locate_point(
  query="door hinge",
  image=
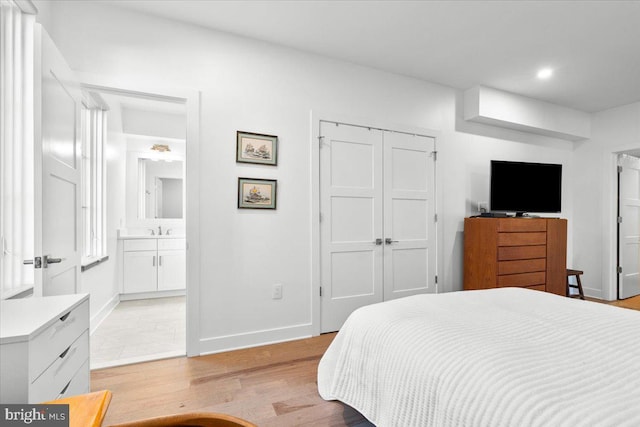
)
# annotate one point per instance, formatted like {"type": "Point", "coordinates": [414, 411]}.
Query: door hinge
{"type": "Point", "coordinates": [320, 140]}
{"type": "Point", "coordinates": [321, 217]}
{"type": "Point", "coordinates": [619, 169]}
{"type": "Point", "coordinates": [435, 218]}
{"type": "Point", "coordinates": [320, 290]}
{"type": "Point", "coordinates": [619, 269]}
{"type": "Point", "coordinates": [619, 220]}
{"type": "Point", "coordinates": [434, 154]}
{"type": "Point", "coordinates": [436, 280]}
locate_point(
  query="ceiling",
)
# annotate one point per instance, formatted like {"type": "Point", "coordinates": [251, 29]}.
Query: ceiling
{"type": "Point", "coordinates": [592, 46]}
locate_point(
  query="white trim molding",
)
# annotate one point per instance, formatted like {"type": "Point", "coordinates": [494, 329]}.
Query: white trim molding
{"type": "Point", "coordinates": [254, 339]}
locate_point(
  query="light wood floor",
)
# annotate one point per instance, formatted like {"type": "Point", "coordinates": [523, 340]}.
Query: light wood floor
{"type": "Point", "coordinates": [632, 303]}
{"type": "Point", "coordinates": [272, 385]}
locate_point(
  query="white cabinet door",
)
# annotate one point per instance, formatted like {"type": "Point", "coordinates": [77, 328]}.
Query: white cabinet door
{"type": "Point", "coordinates": [140, 272]}
{"type": "Point", "coordinates": [171, 269]}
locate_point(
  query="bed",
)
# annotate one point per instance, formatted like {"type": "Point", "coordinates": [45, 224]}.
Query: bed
{"type": "Point", "coordinates": [496, 357]}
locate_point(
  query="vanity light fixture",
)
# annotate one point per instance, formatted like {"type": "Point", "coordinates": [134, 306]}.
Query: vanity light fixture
{"type": "Point", "coordinates": [161, 148]}
{"type": "Point", "coordinates": [545, 73]}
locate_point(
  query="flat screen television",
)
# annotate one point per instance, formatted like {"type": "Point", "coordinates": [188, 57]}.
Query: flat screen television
{"type": "Point", "coordinates": [522, 187]}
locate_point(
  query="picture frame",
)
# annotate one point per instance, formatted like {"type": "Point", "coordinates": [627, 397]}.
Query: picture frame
{"type": "Point", "coordinates": [257, 193]}
{"type": "Point", "coordinates": [256, 148]}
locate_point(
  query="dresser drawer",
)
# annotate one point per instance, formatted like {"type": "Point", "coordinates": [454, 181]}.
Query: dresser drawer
{"type": "Point", "coordinates": [56, 378]}
{"type": "Point", "coordinates": [522, 239]}
{"type": "Point", "coordinates": [47, 346]}
{"type": "Point", "coordinates": [528, 224]}
{"type": "Point", "coordinates": [507, 253]}
{"type": "Point", "coordinates": [139, 245]}
{"type": "Point", "coordinates": [79, 384]}
{"type": "Point", "coordinates": [542, 288]}
{"type": "Point", "coordinates": [521, 266]}
{"type": "Point", "coordinates": [522, 280]}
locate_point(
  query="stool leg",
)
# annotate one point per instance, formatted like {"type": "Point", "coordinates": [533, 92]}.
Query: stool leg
{"type": "Point", "coordinates": [568, 287]}
{"type": "Point", "coordinates": [579, 286]}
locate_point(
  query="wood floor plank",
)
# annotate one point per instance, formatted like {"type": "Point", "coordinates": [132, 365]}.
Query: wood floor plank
{"type": "Point", "coordinates": [273, 385]}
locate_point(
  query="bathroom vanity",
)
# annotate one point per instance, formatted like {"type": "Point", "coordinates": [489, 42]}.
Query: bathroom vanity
{"type": "Point", "coordinates": [153, 266]}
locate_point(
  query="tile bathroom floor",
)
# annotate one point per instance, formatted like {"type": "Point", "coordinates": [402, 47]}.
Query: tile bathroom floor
{"type": "Point", "coordinates": [140, 330]}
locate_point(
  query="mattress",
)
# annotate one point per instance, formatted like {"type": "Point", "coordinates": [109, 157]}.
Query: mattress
{"type": "Point", "coordinates": [495, 357]}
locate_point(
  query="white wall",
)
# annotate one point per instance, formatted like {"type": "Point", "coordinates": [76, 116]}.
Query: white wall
{"type": "Point", "coordinates": [253, 86]}
{"type": "Point", "coordinates": [615, 130]}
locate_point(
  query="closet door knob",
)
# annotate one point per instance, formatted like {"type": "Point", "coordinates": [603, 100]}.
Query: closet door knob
{"type": "Point", "coordinates": [389, 241]}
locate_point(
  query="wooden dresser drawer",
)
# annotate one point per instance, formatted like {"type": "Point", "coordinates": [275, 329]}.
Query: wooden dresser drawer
{"type": "Point", "coordinates": [507, 253]}
{"type": "Point", "coordinates": [522, 280]}
{"type": "Point", "coordinates": [528, 224]}
{"type": "Point", "coordinates": [522, 266]}
{"type": "Point", "coordinates": [55, 379]}
{"type": "Point", "coordinates": [522, 239]}
{"type": "Point", "coordinates": [47, 346]}
{"type": "Point", "coordinates": [542, 288]}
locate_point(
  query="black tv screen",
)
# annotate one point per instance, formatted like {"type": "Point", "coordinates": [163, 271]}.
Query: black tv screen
{"type": "Point", "coordinates": [525, 187]}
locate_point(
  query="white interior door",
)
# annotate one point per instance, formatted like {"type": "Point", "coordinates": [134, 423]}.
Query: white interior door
{"type": "Point", "coordinates": [58, 171]}
{"type": "Point", "coordinates": [629, 227]}
{"type": "Point", "coordinates": [351, 221]}
{"type": "Point", "coordinates": [409, 215]}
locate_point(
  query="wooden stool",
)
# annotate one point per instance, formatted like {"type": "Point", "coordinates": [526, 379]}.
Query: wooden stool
{"type": "Point", "coordinates": [578, 286]}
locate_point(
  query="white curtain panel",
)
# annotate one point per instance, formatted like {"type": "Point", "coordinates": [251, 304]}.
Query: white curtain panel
{"type": "Point", "coordinates": [16, 148]}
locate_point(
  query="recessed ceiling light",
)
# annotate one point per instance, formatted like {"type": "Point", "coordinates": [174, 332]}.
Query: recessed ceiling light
{"type": "Point", "coordinates": [545, 73]}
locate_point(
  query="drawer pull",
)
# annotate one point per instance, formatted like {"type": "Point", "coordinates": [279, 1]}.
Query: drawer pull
{"type": "Point", "coordinates": [64, 362]}
{"type": "Point", "coordinates": [62, 326]}
{"type": "Point", "coordinates": [64, 353]}
{"type": "Point", "coordinates": [64, 390]}
{"type": "Point", "coordinates": [63, 318]}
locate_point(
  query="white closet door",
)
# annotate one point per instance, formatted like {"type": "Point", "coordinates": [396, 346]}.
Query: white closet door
{"type": "Point", "coordinates": [409, 215]}
{"type": "Point", "coordinates": [351, 221]}
{"type": "Point", "coordinates": [629, 229]}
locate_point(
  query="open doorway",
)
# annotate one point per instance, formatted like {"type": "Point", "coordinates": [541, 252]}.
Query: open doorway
{"type": "Point", "coordinates": [145, 147]}
{"type": "Point", "coordinates": [628, 225]}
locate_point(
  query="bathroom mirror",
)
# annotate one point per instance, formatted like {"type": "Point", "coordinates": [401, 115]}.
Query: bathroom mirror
{"type": "Point", "coordinates": [160, 188]}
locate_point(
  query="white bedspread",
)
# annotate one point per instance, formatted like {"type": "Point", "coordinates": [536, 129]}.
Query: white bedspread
{"type": "Point", "coordinates": [499, 357]}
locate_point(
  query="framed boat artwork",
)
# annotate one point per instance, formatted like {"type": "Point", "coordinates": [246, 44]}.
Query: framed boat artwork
{"type": "Point", "coordinates": [256, 148]}
{"type": "Point", "coordinates": [257, 193]}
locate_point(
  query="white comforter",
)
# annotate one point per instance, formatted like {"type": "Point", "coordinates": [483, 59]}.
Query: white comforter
{"type": "Point", "coordinates": [499, 357]}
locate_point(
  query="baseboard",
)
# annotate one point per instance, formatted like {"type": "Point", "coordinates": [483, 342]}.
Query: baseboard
{"type": "Point", "coordinates": [104, 312]}
{"type": "Point", "coordinates": [254, 339]}
{"type": "Point", "coordinates": [593, 293]}
{"type": "Point", "coordinates": [151, 295]}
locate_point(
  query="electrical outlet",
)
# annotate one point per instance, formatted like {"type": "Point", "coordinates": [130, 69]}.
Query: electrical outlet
{"type": "Point", "coordinates": [276, 293]}
{"type": "Point", "coordinates": [483, 207]}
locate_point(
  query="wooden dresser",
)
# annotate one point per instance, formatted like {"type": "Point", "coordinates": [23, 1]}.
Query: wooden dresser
{"type": "Point", "coordinates": [44, 348]}
{"type": "Point", "coordinates": [524, 252]}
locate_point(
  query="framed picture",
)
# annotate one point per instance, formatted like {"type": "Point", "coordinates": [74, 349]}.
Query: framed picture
{"type": "Point", "coordinates": [256, 193]}
{"type": "Point", "coordinates": [256, 148]}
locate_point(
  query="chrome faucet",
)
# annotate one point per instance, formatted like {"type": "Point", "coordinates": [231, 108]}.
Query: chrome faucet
{"type": "Point", "coordinates": [168, 231]}
{"type": "Point", "coordinates": [153, 233]}
{"type": "Point", "coordinates": [159, 231]}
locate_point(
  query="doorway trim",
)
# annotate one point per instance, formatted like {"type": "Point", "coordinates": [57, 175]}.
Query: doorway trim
{"type": "Point", "coordinates": [191, 100]}
{"type": "Point", "coordinates": [317, 117]}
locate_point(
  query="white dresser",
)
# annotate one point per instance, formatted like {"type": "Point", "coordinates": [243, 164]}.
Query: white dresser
{"type": "Point", "coordinates": [44, 348]}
